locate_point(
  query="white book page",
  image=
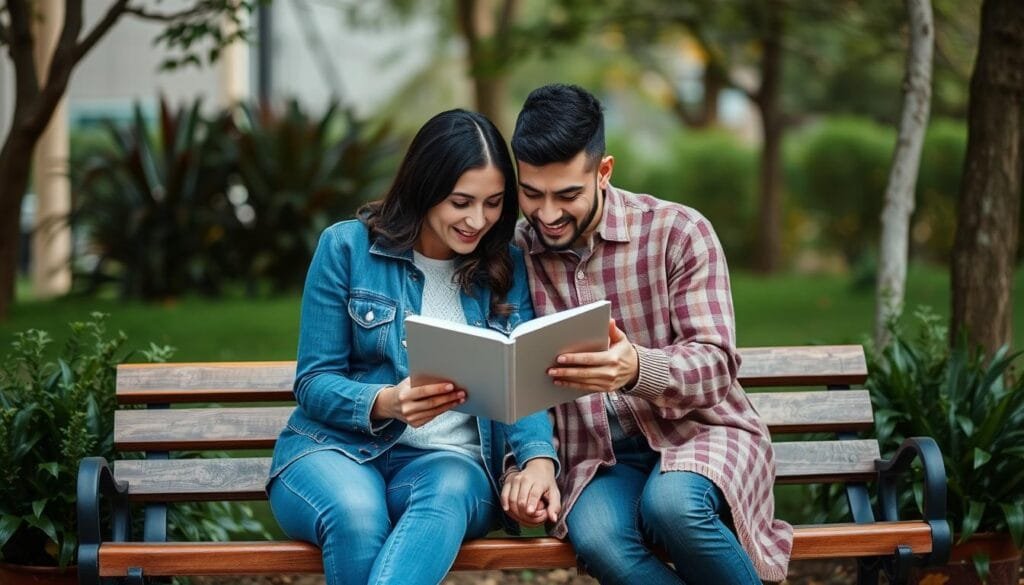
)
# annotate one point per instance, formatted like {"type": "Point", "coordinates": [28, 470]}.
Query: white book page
{"type": "Point", "coordinates": [472, 358]}
{"type": "Point", "coordinates": [583, 329]}
{"type": "Point", "coordinates": [546, 320]}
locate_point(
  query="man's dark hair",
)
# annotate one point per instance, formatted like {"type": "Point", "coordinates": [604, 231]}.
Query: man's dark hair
{"type": "Point", "coordinates": [557, 122]}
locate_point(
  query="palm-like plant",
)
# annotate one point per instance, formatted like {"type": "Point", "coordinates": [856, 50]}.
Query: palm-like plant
{"type": "Point", "coordinates": [154, 206]}
{"type": "Point", "coordinates": [974, 409]}
{"type": "Point", "coordinates": [298, 176]}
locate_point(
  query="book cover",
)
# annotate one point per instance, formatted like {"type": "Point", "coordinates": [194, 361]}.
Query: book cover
{"type": "Point", "coordinates": [505, 378]}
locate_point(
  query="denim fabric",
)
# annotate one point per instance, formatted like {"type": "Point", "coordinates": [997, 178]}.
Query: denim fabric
{"type": "Point", "coordinates": [632, 504]}
{"type": "Point", "coordinates": [351, 345]}
{"type": "Point", "coordinates": [398, 518]}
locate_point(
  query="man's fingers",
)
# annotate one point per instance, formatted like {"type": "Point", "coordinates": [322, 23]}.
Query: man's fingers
{"type": "Point", "coordinates": [586, 358]}
{"type": "Point", "coordinates": [554, 504]}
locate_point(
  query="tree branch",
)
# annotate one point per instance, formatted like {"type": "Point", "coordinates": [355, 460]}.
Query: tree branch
{"type": "Point", "coordinates": [21, 42]}
{"type": "Point", "coordinates": [144, 14]}
{"type": "Point", "coordinates": [114, 13]}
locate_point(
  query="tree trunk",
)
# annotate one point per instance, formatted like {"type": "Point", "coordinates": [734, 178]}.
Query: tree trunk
{"type": "Point", "coordinates": [489, 92]}
{"type": "Point", "coordinates": [990, 191]}
{"type": "Point", "coordinates": [15, 166]}
{"type": "Point", "coordinates": [770, 177]}
{"type": "Point", "coordinates": [899, 194]}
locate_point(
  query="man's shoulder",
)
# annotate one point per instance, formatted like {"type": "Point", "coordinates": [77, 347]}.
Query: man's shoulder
{"type": "Point", "coordinates": [661, 210]}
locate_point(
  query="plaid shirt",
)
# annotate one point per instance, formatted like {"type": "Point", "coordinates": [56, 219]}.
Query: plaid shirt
{"type": "Point", "coordinates": [663, 269]}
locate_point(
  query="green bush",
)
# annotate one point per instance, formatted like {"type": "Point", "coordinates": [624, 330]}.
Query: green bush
{"type": "Point", "coordinates": [294, 176]}
{"type": "Point", "coordinates": [709, 171]}
{"type": "Point", "coordinates": [845, 166]}
{"type": "Point", "coordinates": [154, 206]}
{"type": "Point", "coordinates": [54, 413]}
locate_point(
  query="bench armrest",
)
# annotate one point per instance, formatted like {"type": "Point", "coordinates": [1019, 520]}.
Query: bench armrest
{"type": "Point", "coordinates": [96, 481]}
{"type": "Point", "coordinates": [934, 509]}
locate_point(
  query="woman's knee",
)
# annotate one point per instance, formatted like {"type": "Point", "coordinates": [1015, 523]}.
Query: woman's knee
{"type": "Point", "coordinates": [316, 515]}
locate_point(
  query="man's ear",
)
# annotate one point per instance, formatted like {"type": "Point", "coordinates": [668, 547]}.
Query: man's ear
{"type": "Point", "coordinates": [604, 171]}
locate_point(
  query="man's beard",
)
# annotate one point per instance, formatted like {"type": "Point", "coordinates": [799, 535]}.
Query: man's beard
{"type": "Point", "coordinates": [577, 228]}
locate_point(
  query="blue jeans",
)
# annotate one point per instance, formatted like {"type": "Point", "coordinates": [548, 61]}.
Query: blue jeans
{"type": "Point", "coordinates": [399, 518]}
{"type": "Point", "coordinates": [632, 504]}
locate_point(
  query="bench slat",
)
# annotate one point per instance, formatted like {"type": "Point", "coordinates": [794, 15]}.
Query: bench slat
{"type": "Point", "coordinates": [258, 381]}
{"type": "Point", "coordinates": [255, 558]}
{"type": "Point", "coordinates": [243, 478]}
{"type": "Point", "coordinates": [258, 427]}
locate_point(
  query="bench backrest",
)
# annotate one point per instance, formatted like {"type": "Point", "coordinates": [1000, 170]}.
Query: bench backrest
{"type": "Point", "coordinates": [252, 401]}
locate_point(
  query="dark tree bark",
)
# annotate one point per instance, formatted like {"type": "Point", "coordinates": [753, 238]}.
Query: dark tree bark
{"type": "Point", "coordinates": [989, 208]}
{"type": "Point", "coordinates": [37, 96]}
{"type": "Point", "coordinates": [486, 30]}
{"type": "Point", "coordinates": [767, 98]}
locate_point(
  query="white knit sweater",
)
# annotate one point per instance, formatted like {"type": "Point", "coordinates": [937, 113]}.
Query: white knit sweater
{"type": "Point", "coordinates": [451, 431]}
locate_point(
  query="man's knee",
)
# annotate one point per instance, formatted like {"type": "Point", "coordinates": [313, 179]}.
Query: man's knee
{"type": "Point", "coordinates": [678, 500]}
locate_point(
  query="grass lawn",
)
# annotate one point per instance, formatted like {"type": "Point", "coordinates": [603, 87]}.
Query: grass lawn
{"type": "Point", "coordinates": [777, 310]}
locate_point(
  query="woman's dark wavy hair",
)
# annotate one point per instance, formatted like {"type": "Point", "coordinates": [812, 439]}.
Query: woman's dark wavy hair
{"type": "Point", "coordinates": [447, 146]}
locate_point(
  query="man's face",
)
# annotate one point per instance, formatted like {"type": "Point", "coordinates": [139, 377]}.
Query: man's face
{"type": "Point", "coordinates": [562, 201]}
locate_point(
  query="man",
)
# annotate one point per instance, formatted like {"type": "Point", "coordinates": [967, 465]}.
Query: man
{"type": "Point", "coordinates": [668, 450]}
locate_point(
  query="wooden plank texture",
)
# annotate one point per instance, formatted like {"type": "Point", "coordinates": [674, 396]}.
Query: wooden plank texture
{"type": "Point", "coordinates": [254, 558]}
{"type": "Point", "coordinates": [244, 478]}
{"type": "Point", "coordinates": [258, 427]}
{"type": "Point", "coordinates": [256, 381]}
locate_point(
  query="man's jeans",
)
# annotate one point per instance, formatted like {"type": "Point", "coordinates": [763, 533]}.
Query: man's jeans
{"type": "Point", "coordinates": [399, 518]}
{"type": "Point", "coordinates": [631, 504]}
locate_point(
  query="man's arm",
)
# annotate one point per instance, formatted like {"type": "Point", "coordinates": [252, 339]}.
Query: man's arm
{"type": "Point", "coordinates": [698, 365]}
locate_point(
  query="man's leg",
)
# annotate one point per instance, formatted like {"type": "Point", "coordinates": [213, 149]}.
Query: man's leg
{"type": "Point", "coordinates": [329, 500]}
{"type": "Point", "coordinates": [435, 499]}
{"type": "Point", "coordinates": [683, 512]}
{"type": "Point", "coordinates": [604, 523]}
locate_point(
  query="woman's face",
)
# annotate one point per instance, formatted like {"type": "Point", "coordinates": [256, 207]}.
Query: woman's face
{"type": "Point", "coordinates": [458, 223]}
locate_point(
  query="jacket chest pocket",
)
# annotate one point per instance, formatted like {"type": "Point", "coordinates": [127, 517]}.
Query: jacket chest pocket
{"type": "Point", "coordinates": [373, 318]}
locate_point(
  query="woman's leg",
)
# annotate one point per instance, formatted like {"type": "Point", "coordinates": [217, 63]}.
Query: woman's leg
{"type": "Point", "coordinates": [683, 512]}
{"type": "Point", "coordinates": [339, 505]}
{"type": "Point", "coordinates": [604, 523]}
{"type": "Point", "coordinates": [436, 499]}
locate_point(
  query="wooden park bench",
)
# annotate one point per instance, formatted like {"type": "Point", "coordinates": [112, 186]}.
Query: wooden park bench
{"type": "Point", "coordinates": [811, 395]}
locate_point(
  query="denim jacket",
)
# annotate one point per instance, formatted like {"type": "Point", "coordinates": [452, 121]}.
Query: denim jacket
{"type": "Point", "coordinates": [352, 344]}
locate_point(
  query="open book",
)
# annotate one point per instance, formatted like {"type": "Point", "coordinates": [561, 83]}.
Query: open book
{"type": "Point", "coordinates": [505, 378]}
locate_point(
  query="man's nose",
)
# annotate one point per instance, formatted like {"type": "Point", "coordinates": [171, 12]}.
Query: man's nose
{"type": "Point", "coordinates": [549, 212]}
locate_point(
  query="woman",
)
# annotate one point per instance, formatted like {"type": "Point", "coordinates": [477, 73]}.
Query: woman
{"type": "Point", "coordinates": [383, 475]}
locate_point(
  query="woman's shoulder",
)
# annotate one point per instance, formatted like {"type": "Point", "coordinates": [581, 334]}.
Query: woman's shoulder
{"type": "Point", "coordinates": [350, 233]}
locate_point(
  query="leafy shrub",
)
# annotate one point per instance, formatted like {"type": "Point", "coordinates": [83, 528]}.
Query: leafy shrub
{"type": "Point", "coordinates": [53, 413]}
{"type": "Point", "coordinates": [709, 171]}
{"type": "Point", "coordinates": [845, 166]}
{"type": "Point", "coordinates": [154, 206]}
{"type": "Point", "coordinates": [297, 176]}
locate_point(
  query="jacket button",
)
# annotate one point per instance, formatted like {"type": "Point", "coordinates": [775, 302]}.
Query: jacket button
{"type": "Point", "coordinates": [369, 315]}
{"type": "Point", "coordinates": [364, 451]}
{"type": "Point", "coordinates": [405, 343]}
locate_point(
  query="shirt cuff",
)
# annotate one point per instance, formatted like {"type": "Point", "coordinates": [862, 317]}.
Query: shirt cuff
{"type": "Point", "coordinates": [653, 376]}
{"type": "Point", "coordinates": [377, 426]}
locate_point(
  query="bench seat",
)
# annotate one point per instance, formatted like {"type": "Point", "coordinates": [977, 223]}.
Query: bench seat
{"type": "Point", "coordinates": [244, 405]}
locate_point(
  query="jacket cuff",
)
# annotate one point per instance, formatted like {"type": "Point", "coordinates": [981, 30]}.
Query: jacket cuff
{"type": "Point", "coordinates": [654, 374]}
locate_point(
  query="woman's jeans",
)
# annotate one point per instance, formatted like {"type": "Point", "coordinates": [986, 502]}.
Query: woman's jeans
{"type": "Point", "coordinates": [399, 518]}
{"type": "Point", "coordinates": [632, 504]}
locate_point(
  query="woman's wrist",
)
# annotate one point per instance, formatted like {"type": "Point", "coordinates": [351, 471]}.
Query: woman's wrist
{"type": "Point", "coordinates": [381, 404]}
